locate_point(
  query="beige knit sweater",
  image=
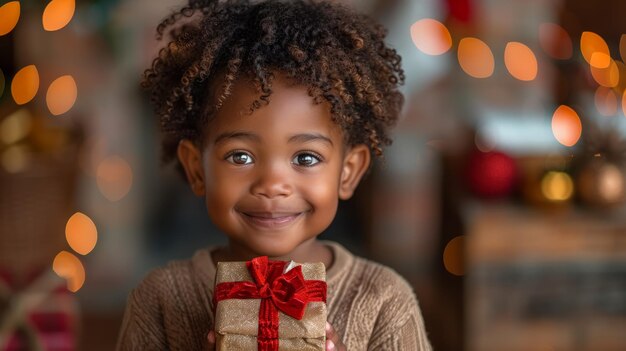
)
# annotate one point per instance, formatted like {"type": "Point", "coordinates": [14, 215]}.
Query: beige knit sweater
{"type": "Point", "coordinates": [370, 306]}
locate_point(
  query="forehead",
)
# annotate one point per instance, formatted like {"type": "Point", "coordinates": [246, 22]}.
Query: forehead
{"type": "Point", "coordinates": [290, 111]}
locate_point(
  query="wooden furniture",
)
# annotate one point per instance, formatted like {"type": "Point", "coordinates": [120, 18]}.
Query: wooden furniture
{"type": "Point", "coordinates": [539, 280]}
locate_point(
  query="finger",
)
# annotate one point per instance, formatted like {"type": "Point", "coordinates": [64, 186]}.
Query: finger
{"type": "Point", "coordinates": [330, 333]}
{"type": "Point", "coordinates": [211, 340]}
{"type": "Point", "coordinates": [333, 341]}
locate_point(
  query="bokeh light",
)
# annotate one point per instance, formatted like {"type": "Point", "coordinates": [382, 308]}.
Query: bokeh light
{"type": "Point", "coordinates": [9, 15]}
{"type": "Point", "coordinates": [15, 159]}
{"type": "Point", "coordinates": [81, 233]}
{"type": "Point", "coordinates": [607, 76]}
{"type": "Point", "coordinates": [25, 84]}
{"type": "Point", "coordinates": [453, 256]}
{"type": "Point", "coordinates": [520, 61]}
{"type": "Point", "coordinates": [622, 47]}
{"type": "Point", "coordinates": [591, 43]}
{"type": "Point", "coordinates": [69, 267]}
{"type": "Point", "coordinates": [621, 67]}
{"type": "Point", "coordinates": [555, 41]}
{"type": "Point", "coordinates": [600, 60]}
{"type": "Point", "coordinates": [431, 36]}
{"type": "Point", "coordinates": [61, 95]}
{"type": "Point", "coordinates": [610, 183]}
{"type": "Point", "coordinates": [58, 14]}
{"type": "Point", "coordinates": [15, 126]}
{"type": "Point", "coordinates": [114, 177]}
{"type": "Point", "coordinates": [566, 125]}
{"type": "Point", "coordinates": [557, 186]}
{"type": "Point", "coordinates": [475, 58]}
{"type": "Point", "coordinates": [606, 101]}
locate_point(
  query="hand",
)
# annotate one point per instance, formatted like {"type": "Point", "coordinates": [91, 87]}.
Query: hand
{"type": "Point", "coordinates": [333, 342]}
{"type": "Point", "coordinates": [210, 338]}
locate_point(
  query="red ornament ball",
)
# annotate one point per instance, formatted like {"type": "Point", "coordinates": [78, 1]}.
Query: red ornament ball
{"type": "Point", "coordinates": [491, 174]}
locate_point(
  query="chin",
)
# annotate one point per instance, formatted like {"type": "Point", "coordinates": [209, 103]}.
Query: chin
{"type": "Point", "coordinates": [273, 250]}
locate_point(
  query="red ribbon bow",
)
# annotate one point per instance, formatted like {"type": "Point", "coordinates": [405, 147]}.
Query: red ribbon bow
{"type": "Point", "coordinates": [286, 292]}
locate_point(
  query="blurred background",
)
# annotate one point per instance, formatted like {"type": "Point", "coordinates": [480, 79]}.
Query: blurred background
{"type": "Point", "coordinates": [502, 199]}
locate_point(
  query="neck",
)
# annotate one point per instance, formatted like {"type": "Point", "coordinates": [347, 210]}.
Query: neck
{"type": "Point", "coordinates": [311, 250]}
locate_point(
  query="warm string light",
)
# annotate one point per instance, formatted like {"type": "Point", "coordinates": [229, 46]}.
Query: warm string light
{"type": "Point", "coordinates": [520, 61]}
{"type": "Point", "coordinates": [453, 256]}
{"type": "Point", "coordinates": [604, 70]}
{"type": "Point", "coordinates": [431, 36]}
{"type": "Point", "coordinates": [81, 233]}
{"type": "Point", "coordinates": [69, 267]}
{"type": "Point", "coordinates": [600, 60]}
{"type": "Point", "coordinates": [566, 125]}
{"type": "Point", "coordinates": [25, 84]}
{"type": "Point", "coordinates": [61, 95]}
{"type": "Point", "coordinates": [9, 15]}
{"type": "Point", "coordinates": [57, 14]}
{"type": "Point", "coordinates": [590, 44]}
{"type": "Point", "coordinates": [475, 58]}
{"type": "Point", "coordinates": [62, 92]}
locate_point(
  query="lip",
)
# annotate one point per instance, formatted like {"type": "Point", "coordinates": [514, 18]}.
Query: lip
{"type": "Point", "coordinates": [270, 220]}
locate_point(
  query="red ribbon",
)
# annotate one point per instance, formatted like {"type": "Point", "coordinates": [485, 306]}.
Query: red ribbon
{"type": "Point", "coordinates": [286, 292]}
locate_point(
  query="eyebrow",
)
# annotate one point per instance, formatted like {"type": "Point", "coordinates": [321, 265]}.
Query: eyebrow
{"type": "Point", "coordinates": [306, 137]}
{"type": "Point", "coordinates": [236, 135]}
{"type": "Point", "coordinates": [298, 138]}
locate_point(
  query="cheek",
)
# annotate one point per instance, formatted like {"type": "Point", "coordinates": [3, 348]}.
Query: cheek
{"type": "Point", "coordinates": [322, 191]}
{"type": "Point", "coordinates": [219, 197]}
{"type": "Point", "coordinates": [222, 190]}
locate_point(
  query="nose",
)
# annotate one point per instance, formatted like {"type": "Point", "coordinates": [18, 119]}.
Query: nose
{"type": "Point", "coordinates": [272, 181]}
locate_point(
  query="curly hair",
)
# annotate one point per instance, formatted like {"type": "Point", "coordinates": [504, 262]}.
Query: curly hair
{"type": "Point", "coordinates": [338, 54]}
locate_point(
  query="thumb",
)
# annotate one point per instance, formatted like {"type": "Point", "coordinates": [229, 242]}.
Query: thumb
{"type": "Point", "coordinates": [211, 340]}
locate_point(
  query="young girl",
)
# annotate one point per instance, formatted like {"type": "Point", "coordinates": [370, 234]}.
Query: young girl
{"type": "Point", "coordinates": [273, 110]}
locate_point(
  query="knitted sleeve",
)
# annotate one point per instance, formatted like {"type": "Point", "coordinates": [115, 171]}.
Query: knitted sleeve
{"type": "Point", "coordinates": [167, 311]}
{"type": "Point", "coordinates": [399, 325]}
{"type": "Point", "coordinates": [142, 326]}
{"type": "Point", "coordinates": [408, 336]}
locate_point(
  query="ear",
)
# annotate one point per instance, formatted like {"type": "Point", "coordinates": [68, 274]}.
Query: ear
{"type": "Point", "coordinates": [355, 164]}
{"type": "Point", "coordinates": [191, 159]}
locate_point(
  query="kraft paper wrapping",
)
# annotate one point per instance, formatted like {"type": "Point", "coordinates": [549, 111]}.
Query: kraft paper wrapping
{"type": "Point", "coordinates": [237, 320]}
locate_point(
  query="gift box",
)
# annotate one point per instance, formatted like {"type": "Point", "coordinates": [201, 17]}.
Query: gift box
{"type": "Point", "coordinates": [270, 305]}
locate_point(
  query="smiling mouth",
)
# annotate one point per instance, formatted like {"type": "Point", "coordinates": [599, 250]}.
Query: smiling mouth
{"type": "Point", "coordinates": [269, 220]}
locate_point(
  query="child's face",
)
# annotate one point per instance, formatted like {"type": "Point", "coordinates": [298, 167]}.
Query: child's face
{"type": "Point", "coordinates": [272, 179]}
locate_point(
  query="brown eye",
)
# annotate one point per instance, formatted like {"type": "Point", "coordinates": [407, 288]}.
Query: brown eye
{"type": "Point", "coordinates": [240, 158]}
{"type": "Point", "coordinates": [306, 160]}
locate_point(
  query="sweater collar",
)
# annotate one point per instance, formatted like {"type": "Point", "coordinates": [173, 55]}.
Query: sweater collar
{"type": "Point", "coordinates": [342, 258]}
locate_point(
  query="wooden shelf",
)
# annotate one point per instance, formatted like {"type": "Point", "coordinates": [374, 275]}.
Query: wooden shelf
{"type": "Point", "coordinates": [539, 280]}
